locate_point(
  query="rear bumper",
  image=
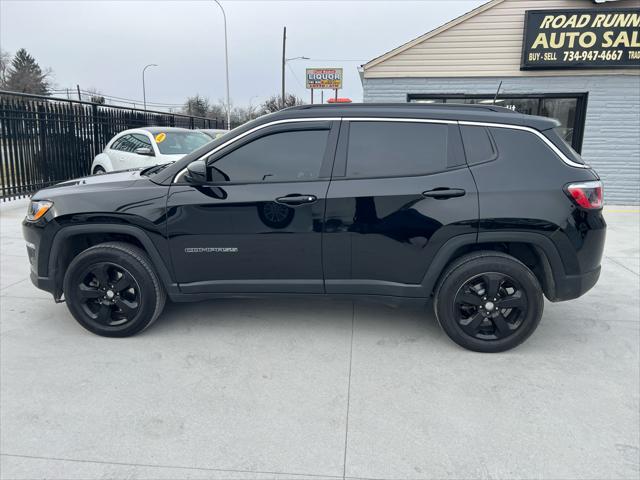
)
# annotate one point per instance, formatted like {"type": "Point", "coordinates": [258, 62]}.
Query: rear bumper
{"type": "Point", "coordinates": [580, 245]}
{"type": "Point", "coordinates": [568, 287]}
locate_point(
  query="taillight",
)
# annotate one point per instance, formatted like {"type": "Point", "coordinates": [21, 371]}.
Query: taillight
{"type": "Point", "coordinates": [586, 194]}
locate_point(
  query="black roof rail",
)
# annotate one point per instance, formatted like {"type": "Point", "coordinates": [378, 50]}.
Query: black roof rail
{"type": "Point", "coordinates": [437, 106]}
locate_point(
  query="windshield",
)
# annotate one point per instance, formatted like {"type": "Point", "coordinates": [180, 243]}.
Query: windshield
{"type": "Point", "coordinates": [215, 133]}
{"type": "Point", "coordinates": [180, 143]}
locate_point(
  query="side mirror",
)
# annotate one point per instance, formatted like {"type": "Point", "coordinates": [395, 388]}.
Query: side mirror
{"type": "Point", "coordinates": [146, 151]}
{"type": "Point", "coordinates": [196, 172]}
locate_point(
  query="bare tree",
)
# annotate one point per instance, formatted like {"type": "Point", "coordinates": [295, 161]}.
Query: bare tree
{"type": "Point", "coordinates": [5, 61]}
{"type": "Point", "coordinates": [218, 110]}
{"type": "Point", "coordinates": [201, 106]}
{"type": "Point", "coordinates": [240, 115]}
{"type": "Point", "coordinates": [274, 103]}
{"type": "Point", "coordinates": [95, 96]}
{"type": "Point", "coordinates": [197, 106]}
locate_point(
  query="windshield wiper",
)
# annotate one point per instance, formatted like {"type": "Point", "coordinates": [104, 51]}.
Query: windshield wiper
{"type": "Point", "coordinates": [155, 169]}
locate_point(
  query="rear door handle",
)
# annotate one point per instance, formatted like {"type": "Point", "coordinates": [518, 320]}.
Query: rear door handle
{"type": "Point", "coordinates": [444, 193]}
{"type": "Point", "coordinates": [295, 200]}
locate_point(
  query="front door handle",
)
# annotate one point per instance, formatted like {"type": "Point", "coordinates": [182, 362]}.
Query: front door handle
{"type": "Point", "coordinates": [444, 193]}
{"type": "Point", "coordinates": [295, 200]}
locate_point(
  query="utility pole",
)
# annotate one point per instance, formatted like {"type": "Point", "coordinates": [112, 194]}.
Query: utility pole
{"type": "Point", "coordinates": [284, 60]}
{"type": "Point", "coordinates": [79, 96]}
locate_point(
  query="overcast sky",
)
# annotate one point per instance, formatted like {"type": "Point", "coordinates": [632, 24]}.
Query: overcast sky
{"type": "Point", "coordinates": [105, 44]}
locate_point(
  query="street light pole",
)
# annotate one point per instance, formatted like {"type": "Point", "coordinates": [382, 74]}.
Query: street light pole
{"type": "Point", "coordinates": [226, 62]}
{"type": "Point", "coordinates": [144, 90]}
{"type": "Point", "coordinates": [285, 60]}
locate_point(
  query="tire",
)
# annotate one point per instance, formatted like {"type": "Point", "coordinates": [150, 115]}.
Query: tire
{"type": "Point", "coordinates": [112, 290]}
{"type": "Point", "coordinates": [99, 171]}
{"type": "Point", "coordinates": [466, 309]}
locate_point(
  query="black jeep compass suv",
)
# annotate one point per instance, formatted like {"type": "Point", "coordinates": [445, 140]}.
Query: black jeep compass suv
{"type": "Point", "coordinates": [480, 208]}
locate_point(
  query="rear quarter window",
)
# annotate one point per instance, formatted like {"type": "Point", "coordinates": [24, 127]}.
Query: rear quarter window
{"type": "Point", "coordinates": [523, 145]}
{"type": "Point", "coordinates": [558, 139]}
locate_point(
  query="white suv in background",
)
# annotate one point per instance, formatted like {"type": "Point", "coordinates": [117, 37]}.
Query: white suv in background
{"type": "Point", "coordinates": [147, 146]}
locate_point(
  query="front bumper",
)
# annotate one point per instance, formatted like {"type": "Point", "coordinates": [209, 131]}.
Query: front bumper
{"type": "Point", "coordinates": [43, 283]}
{"type": "Point", "coordinates": [36, 242]}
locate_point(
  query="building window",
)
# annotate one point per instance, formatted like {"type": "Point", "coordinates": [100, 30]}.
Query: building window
{"type": "Point", "coordinates": [568, 109]}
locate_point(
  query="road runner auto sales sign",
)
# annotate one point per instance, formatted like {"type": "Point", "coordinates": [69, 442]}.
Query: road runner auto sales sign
{"type": "Point", "coordinates": [593, 38]}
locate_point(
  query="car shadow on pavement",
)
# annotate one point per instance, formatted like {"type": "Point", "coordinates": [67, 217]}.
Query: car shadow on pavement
{"type": "Point", "coordinates": [288, 312]}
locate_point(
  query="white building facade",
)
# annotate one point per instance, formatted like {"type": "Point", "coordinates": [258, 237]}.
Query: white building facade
{"type": "Point", "coordinates": [574, 60]}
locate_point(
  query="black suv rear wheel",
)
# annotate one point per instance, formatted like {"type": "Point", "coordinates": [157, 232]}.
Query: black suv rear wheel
{"type": "Point", "coordinates": [112, 290]}
{"type": "Point", "coordinates": [488, 302]}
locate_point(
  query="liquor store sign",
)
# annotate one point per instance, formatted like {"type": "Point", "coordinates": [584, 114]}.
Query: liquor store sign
{"type": "Point", "coordinates": [324, 78]}
{"type": "Point", "coordinates": [581, 38]}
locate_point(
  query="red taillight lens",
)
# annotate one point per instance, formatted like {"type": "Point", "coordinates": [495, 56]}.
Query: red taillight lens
{"type": "Point", "coordinates": [586, 194]}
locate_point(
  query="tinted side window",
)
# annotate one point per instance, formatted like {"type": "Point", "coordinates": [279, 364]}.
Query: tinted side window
{"type": "Point", "coordinates": [279, 157]}
{"type": "Point", "coordinates": [478, 144]}
{"type": "Point", "coordinates": [381, 149]}
{"type": "Point", "coordinates": [517, 144]}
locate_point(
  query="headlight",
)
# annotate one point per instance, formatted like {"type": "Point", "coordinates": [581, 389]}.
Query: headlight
{"type": "Point", "coordinates": [37, 208]}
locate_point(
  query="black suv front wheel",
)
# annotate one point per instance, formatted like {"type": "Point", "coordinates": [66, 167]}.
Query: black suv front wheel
{"type": "Point", "coordinates": [112, 290]}
{"type": "Point", "coordinates": [488, 302]}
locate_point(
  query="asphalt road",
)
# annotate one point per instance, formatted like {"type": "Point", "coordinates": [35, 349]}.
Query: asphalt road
{"type": "Point", "coordinates": [257, 389]}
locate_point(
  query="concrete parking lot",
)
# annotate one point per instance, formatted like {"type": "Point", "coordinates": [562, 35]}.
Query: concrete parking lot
{"type": "Point", "coordinates": [263, 389]}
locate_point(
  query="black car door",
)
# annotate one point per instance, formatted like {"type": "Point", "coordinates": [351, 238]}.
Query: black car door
{"type": "Point", "coordinates": [256, 224]}
{"type": "Point", "coordinates": [400, 190]}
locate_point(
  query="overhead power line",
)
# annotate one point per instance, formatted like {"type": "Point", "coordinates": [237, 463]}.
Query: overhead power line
{"type": "Point", "coordinates": [117, 98]}
{"type": "Point", "coordinates": [335, 60]}
{"type": "Point", "coordinates": [295, 76]}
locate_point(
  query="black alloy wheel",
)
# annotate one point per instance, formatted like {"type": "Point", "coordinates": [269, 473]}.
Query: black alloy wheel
{"type": "Point", "coordinates": [113, 290]}
{"type": "Point", "coordinates": [490, 306]}
{"type": "Point", "coordinates": [108, 293]}
{"type": "Point", "coordinates": [275, 215]}
{"type": "Point", "coordinates": [488, 301]}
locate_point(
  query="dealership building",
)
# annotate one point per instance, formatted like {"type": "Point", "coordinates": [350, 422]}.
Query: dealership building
{"type": "Point", "coordinates": [574, 60]}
